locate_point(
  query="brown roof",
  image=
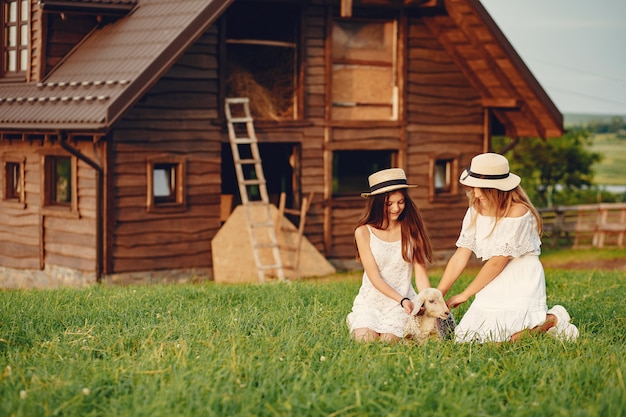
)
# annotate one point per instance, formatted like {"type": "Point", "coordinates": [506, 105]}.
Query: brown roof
{"type": "Point", "coordinates": [111, 70]}
{"type": "Point", "coordinates": [116, 65]}
{"type": "Point", "coordinates": [488, 60]}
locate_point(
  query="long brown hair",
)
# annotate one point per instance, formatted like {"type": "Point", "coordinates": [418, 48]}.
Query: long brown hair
{"type": "Point", "coordinates": [502, 201]}
{"type": "Point", "coordinates": [416, 246]}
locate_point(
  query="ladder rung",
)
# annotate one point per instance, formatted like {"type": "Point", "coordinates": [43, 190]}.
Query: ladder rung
{"type": "Point", "coordinates": [249, 161]}
{"type": "Point", "coordinates": [244, 141]}
{"type": "Point", "coordinates": [237, 99]}
{"type": "Point", "coordinates": [252, 182]}
{"type": "Point", "coordinates": [274, 266]}
{"type": "Point", "coordinates": [240, 119]}
{"type": "Point", "coordinates": [265, 245]}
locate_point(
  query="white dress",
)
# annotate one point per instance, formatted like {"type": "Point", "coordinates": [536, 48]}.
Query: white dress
{"type": "Point", "coordinates": [516, 298]}
{"type": "Point", "coordinates": [374, 310]}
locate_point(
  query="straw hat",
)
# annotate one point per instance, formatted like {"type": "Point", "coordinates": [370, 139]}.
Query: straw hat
{"type": "Point", "coordinates": [489, 170]}
{"type": "Point", "coordinates": [387, 180]}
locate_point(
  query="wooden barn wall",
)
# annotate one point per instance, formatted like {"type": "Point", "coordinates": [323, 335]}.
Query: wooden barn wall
{"type": "Point", "coordinates": [67, 240]}
{"type": "Point", "coordinates": [20, 228]}
{"type": "Point", "coordinates": [173, 119]}
{"type": "Point", "coordinates": [313, 174]}
{"type": "Point", "coordinates": [70, 241]}
{"type": "Point", "coordinates": [444, 115]}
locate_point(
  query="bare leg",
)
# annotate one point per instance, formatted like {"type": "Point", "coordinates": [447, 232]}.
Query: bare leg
{"type": "Point", "coordinates": [550, 322]}
{"type": "Point", "coordinates": [364, 335]}
{"type": "Point", "coordinates": [389, 337]}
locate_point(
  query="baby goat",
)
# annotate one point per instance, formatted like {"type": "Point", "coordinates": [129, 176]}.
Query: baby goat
{"type": "Point", "coordinates": [424, 326]}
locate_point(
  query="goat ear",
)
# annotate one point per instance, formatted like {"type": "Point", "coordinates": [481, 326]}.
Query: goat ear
{"type": "Point", "coordinates": [418, 302]}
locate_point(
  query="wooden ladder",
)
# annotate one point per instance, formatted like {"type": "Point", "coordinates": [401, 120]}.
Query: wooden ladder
{"type": "Point", "coordinates": [251, 181]}
{"type": "Point", "coordinates": [296, 248]}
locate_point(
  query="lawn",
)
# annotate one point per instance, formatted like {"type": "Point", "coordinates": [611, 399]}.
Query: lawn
{"type": "Point", "coordinates": [282, 349]}
{"type": "Point", "coordinates": [612, 169]}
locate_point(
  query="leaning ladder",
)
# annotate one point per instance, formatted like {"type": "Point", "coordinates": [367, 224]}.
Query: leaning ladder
{"type": "Point", "coordinates": [251, 181]}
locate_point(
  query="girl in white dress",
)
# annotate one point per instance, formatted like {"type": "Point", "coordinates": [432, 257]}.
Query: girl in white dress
{"type": "Point", "coordinates": [392, 243]}
{"type": "Point", "coordinates": [502, 227]}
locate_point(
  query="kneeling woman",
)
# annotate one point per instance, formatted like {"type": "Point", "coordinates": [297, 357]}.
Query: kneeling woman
{"type": "Point", "coordinates": [502, 227]}
{"type": "Point", "coordinates": [392, 243]}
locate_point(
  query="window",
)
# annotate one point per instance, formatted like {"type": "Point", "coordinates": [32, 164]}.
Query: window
{"type": "Point", "coordinates": [443, 176]}
{"type": "Point", "coordinates": [364, 70]}
{"type": "Point", "coordinates": [60, 192]}
{"type": "Point", "coordinates": [351, 169]}
{"type": "Point", "coordinates": [13, 182]}
{"type": "Point", "coordinates": [15, 36]}
{"type": "Point", "coordinates": [261, 58]}
{"type": "Point", "coordinates": [166, 185]}
{"type": "Point", "coordinates": [442, 183]}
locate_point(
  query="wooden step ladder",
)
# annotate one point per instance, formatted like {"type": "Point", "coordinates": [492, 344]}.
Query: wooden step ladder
{"type": "Point", "coordinates": [253, 187]}
{"type": "Point", "coordinates": [296, 248]}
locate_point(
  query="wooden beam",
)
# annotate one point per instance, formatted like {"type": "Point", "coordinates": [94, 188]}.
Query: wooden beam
{"type": "Point", "coordinates": [502, 103]}
{"type": "Point", "coordinates": [346, 8]}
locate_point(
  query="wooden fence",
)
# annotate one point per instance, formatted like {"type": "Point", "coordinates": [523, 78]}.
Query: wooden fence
{"type": "Point", "coordinates": [585, 226]}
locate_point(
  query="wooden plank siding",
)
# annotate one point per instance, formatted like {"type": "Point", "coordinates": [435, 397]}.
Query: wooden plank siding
{"type": "Point", "coordinates": [31, 237]}
{"type": "Point", "coordinates": [444, 115]}
{"type": "Point", "coordinates": [173, 119]}
{"type": "Point", "coordinates": [313, 170]}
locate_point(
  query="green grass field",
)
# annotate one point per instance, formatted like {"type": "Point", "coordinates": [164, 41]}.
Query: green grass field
{"type": "Point", "coordinates": [612, 169]}
{"type": "Point", "coordinates": [282, 349]}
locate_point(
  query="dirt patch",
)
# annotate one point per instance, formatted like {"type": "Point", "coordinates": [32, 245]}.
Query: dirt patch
{"type": "Point", "coordinates": [601, 264]}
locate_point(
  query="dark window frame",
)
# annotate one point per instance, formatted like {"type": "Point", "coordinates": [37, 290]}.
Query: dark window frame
{"type": "Point", "coordinates": [450, 190]}
{"type": "Point", "coordinates": [176, 200]}
{"type": "Point", "coordinates": [13, 194]}
{"type": "Point", "coordinates": [265, 41]}
{"type": "Point", "coordinates": [50, 204]}
{"type": "Point", "coordinates": [14, 67]}
{"type": "Point", "coordinates": [395, 66]}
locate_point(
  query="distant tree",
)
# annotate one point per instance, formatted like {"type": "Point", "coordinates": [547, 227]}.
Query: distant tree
{"type": "Point", "coordinates": [553, 167]}
{"type": "Point", "coordinates": [615, 124]}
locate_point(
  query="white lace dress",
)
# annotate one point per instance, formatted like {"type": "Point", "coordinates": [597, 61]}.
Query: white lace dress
{"type": "Point", "coordinates": [374, 310]}
{"type": "Point", "coordinates": [516, 298]}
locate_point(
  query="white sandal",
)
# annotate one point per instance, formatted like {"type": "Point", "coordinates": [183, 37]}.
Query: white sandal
{"type": "Point", "coordinates": [564, 330]}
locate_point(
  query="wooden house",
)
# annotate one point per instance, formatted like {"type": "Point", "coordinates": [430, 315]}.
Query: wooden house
{"type": "Point", "coordinates": [113, 146]}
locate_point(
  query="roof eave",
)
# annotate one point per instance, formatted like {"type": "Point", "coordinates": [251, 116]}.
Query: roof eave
{"type": "Point", "coordinates": [108, 9]}
{"type": "Point", "coordinates": [525, 72]}
{"type": "Point", "coordinates": [164, 61]}
{"type": "Point", "coordinates": [53, 127]}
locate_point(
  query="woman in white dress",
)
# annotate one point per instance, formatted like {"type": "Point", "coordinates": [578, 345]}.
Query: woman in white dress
{"type": "Point", "coordinates": [392, 243]}
{"type": "Point", "coordinates": [502, 227]}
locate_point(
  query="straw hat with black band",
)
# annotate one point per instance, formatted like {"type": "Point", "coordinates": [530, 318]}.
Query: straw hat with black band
{"type": "Point", "coordinates": [490, 170]}
{"type": "Point", "coordinates": [387, 180]}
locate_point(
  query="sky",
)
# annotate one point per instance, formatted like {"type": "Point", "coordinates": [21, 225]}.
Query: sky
{"type": "Point", "coordinates": [574, 48]}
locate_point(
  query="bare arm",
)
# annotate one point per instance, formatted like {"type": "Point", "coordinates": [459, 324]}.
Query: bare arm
{"type": "Point", "coordinates": [362, 236]}
{"type": "Point", "coordinates": [490, 270]}
{"type": "Point", "coordinates": [421, 277]}
{"type": "Point", "coordinates": [454, 268]}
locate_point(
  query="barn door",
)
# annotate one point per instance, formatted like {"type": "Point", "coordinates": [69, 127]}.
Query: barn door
{"type": "Point", "coordinates": [281, 166]}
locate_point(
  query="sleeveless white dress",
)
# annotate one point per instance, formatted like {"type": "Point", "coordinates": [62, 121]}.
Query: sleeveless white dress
{"type": "Point", "coordinates": [374, 310]}
{"type": "Point", "coordinates": [516, 298]}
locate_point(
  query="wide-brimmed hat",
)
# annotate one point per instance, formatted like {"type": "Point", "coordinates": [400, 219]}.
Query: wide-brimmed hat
{"type": "Point", "coordinates": [387, 180]}
{"type": "Point", "coordinates": [490, 170]}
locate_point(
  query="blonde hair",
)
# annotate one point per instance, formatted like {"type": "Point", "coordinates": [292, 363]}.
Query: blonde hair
{"type": "Point", "coordinates": [500, 203]}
